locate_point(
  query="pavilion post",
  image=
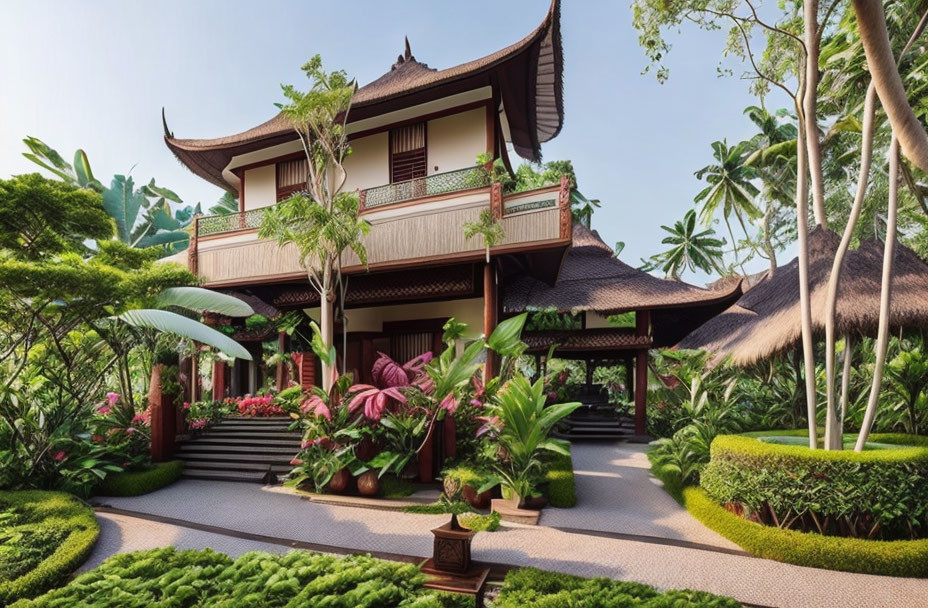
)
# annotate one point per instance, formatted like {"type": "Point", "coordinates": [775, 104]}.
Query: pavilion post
{"type": "Point", "coordinates": [641, 392]}
{"type": "Point", "coordinates": [281, 366]}
{"type": "Point", "coordinates": [489, 317]}
{"type": "Point", "coordinates": [219, 380]}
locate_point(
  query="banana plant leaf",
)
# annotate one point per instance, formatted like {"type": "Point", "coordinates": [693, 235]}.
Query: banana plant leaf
{"type": "Point", "coordinates": [200, 300]}
{"type": "Point", "coordinates": [164, 238]}
{"type": "Point", "coordinates": [506, 338]}
{"type": "Point", "coordinates": [123, 202]}
{"type": "Point", "coordinates": [170, 322]}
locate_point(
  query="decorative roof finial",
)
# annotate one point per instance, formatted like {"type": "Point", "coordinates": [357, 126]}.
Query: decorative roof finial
{"type": "Point", "coordinates": [164, 123]}
{"type": "Point", "coordinates": [405, 57]}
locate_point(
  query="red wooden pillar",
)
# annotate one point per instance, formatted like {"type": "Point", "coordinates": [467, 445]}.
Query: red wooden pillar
{"type": "Point", "coordinates": [306, 368]}
{"type": "Point", "coordinates": [219, 379]}
{"type": "Point", "coordinates": [642, 329]}
{"type": "Point", "coordinates": [489, 318]}
{"type": "Point", "coordinates": [281, 366]}
{"type": "Point", "coordinates": [163, 418]}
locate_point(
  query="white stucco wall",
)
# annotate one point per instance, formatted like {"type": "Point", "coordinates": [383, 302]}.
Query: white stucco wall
{"type": "Point", "coordinates": [260, 187]}
{"type": "Point", "coordinates": [469, 311]}
{"type": "Point", "coordinates": [369, 163]}
{"type": "Point", "coordinates": [455, 141]}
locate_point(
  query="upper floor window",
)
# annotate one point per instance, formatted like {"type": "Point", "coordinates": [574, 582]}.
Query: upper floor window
{"type": "Point", "coordinates": [291, 177]}
{"type": "Point", "coordinates": [407, 152]}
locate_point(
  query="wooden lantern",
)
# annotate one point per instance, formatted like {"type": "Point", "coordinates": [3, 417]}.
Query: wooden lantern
{"type": "Point", "coordinates": [451, 550]}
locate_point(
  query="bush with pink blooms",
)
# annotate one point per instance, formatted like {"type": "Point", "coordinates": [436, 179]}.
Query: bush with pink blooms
{"type": "Point", "coordinates": [259, 406]}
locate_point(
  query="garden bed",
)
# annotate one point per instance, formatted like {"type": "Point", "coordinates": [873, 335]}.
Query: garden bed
{"type": "Point", "coordinates": [137, 483]}
{"type": "Point", "coordinates": [44, 536]}
{"type": "Point", "coordinates": [302, 578]}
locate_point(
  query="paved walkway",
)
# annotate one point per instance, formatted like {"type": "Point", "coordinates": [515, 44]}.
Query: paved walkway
{"type": "Point", "coordinates": [611, 481]}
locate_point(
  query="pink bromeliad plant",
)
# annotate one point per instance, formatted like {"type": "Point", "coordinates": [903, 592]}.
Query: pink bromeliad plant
{"type": "Point", "coordinates": [389, 381]}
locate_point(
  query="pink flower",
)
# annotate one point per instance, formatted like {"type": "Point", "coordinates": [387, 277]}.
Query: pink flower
{"type": "Point", "coordinates": [104, 410]}
{"type": "Point", "coordinates": [315, 405]}
{"type": "Point", "coordinates": [198, 424]}
{"type": "Point", "coordinates": [138, 418]}
{"type": "Point", "coordinates": [130, 430]}
{"type": "Point", "coordinates": [449, 403]}
{"type": "Point", "coordinates": [491, 423]}
{"type": "Point", "coordinates": [186, 405]}
{"type": "Point", "coordinates": [112, 398]}
{"type": "Point", "coordinates": [296, 461]}
{"type": "Point", "coordinates": [59, 455]}
{"type": "Point", "coordinates": [97, 438]}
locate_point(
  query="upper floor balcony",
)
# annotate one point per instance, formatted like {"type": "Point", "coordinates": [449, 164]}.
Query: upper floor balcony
{"type": "Point", "coordinates": [413, 223]}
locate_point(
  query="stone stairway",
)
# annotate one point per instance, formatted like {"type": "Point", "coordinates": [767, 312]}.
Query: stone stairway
{"type": "Point", "coordinates": [241, 449]}
{"type": "Point", "coordinates": [596, 420]}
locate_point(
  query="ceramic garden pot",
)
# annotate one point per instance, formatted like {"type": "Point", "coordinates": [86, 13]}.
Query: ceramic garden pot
{"type": "Point", "coordinates": [339, 482]}
{"type": "Point", "coordinates": [368, 484]}
{"type": "Point", "coordinates": [477, 500]}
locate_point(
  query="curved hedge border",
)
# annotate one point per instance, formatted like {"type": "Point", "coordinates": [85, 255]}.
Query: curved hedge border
{"type": "Point", "coordinates": [53, 510]}
{"type": "Point", "coordinates": [888, 558]}
{"type": "Point", "coordinates": [849, 493]}
{"type": "Point", "coordinates": [136, 483]}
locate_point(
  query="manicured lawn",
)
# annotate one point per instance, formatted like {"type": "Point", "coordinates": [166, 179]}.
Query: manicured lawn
{"type": "Point", "coordinates": [44, 536]}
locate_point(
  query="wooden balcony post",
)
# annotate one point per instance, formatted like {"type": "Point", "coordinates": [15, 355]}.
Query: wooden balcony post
{"type": "Point", "coordinates": [219, 379]}
{"type": "Point", "coordinates": [490, 294]}
{"type": "Point", "coordinates": [563, 201]}
{"type": "Point", "coordinates": [642, 328]}
{"type": "Point", "coordinates": [496, 201]}
{"type": "Point", "coordinates": [193, 261]}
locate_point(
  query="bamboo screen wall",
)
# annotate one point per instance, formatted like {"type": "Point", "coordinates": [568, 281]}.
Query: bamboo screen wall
{"type": "Point", "coordinates": [412, 236]}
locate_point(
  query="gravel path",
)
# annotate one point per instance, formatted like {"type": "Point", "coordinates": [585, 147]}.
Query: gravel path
{"type": "Point", "coordinates": [611, 480]}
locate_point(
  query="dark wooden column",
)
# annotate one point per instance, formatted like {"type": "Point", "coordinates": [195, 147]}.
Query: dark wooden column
{"type": "Point", "coordinates": [642, 329]}
{"type": "Point", "coordinates": [219, 379]}
{"type": "Point", "coordinates": [163, 418]}
{"type": "Point", "coordinates": [489, 317]}
{"type": "Point", "coordinates": [281, 366]}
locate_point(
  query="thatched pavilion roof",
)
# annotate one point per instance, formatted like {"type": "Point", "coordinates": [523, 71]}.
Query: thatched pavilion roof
{"type": "Point", "coordinates": [766, 320]}
{"type": "Point", "coordinates": [526, 75]}
{"type": "Point", "coordinates": [593, 279]}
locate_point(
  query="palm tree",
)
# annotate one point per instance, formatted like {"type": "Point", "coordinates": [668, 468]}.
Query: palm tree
{"type": "Point", "coordinates": [730, 189]}
{"type": "Point", "coordinates": [488, 228]}
{"type": "Point", "coordinates": [690, 250]}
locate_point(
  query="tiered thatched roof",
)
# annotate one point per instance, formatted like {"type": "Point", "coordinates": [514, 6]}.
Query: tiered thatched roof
{"type": "Point", "coordinates": [593, 279]}
{"type": "Point", "coordinates": [766, 320]}
{"type": "Point", "coordinates": [526, 75]}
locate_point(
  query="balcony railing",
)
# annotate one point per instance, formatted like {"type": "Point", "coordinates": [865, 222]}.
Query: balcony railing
{"type": "Point", "coordinates": [440, 183]}
{"type": "Point", "coordinates": [239, 220]}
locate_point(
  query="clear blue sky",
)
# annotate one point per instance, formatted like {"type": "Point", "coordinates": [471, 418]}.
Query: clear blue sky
{"type": "Point", "coordinates": [96, 74]}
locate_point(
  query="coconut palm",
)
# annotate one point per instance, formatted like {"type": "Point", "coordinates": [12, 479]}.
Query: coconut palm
{"type": "Point", "coordinates": [690, 250]}
{"type": "Point", "coordinates": [488, 228]}
{"type": "Point", "coordinates": [730, 190]}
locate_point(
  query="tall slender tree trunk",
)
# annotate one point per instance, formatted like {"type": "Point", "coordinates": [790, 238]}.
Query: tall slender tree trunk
{"type": "Point", "coordinates": [871, 24]}
{"type": "Point", "coordinates": [805, 303]}
{"type": "Point", "coordinates": [810, 109]}
{"type": "Point", "coordinates": [833, 427]}
{"type": "Point", "coordinates": [882, 340]}
{"type": "Point", "coordinates": [327, 329]}
{"type": "Point", "coordinates": [846, 375]}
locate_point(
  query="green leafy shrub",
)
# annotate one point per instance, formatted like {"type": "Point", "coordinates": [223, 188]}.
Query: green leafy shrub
{"type": "Point", "coordinates": [562, 489]}
{"type": "Point", "coordinates": [531, 588]}
{"type": "Point", "coordinates": [878, 493]}
{"type": "Point", "coordinates": [136, 483]}
{"type": "Point", "coordinates": [479, 522]}
{"type": "Point", "coordinates": [888, 558]}
{"type": "Point", "coordinates": [44, 536]}
{"type": "Point", "coordinates": [167, 577]}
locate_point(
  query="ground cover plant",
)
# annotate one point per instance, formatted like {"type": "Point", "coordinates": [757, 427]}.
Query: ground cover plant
{"type": "Point", "coordinates": [167, 577]}
{"type": "Point", "coordinates": [136, 483]}
{"type": "Point", "coordinates": [532, 588]}
{"type": "Point", "coordinates": [44, 536]}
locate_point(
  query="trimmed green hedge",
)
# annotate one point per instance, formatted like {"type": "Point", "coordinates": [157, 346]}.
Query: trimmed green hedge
{"type": "Point", "coordinates": [163, 578]}
{"type": "Point", "coordinates": [532, 588]}
{"type": "Point", "coordinates": [136, 483]}
{"type": "Point", "coordinates": [888, 558]}
{"type": "Point", "coordinates": [879, 493]}
{"type": "Point", "coordinates": [562, 489]}
{"type": "Point", "coordinates": [45, 536]}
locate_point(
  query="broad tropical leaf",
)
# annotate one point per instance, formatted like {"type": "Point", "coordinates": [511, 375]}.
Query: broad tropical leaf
{"type": "Point", "coordinates": [505, 339]}
{"type": "Point", "coordinates": [200, 300]}
{"type": "Point", "coordinates": [123, 202]}
{"type": "Point", "coordinates": [170, 322]}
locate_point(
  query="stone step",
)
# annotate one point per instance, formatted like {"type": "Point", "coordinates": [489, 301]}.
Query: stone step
{"type": "Point", "coordinates": [237, 457]}
{"type": "Point", "coordinates": [190, 448]}
{"type": "Point", "coordinates": [258, 419]}
{"type": "Point", "coordinates": [245, 441]}
{"type": "Point", "coordinates": [224, 465]}
{"type": "Point", "coordinates": [244, 427]}
{"type": "Point", "coordinates": [250, 477]}
{"type": "Point", "coordinates": [260, 435]}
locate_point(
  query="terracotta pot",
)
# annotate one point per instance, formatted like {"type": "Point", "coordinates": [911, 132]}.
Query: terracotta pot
{"type": "Point", "coordinates": [368, 484]}
{"type": "Point", "coordinates": [366, 449]}
{"type": "Point", "coordinates": [339, 482]}
{"type": "Point", "coordinates": [477, 500]}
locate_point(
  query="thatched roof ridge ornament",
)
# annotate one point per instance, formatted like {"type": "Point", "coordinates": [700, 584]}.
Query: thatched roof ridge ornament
{"type": "Point", "coordinates": [766, 321]}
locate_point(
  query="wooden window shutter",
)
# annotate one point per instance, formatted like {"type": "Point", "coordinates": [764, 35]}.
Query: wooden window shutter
{"type": "Point", "coordinates": [407, 153]}
{"type": "Point", "coordinates": [291, 177]}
